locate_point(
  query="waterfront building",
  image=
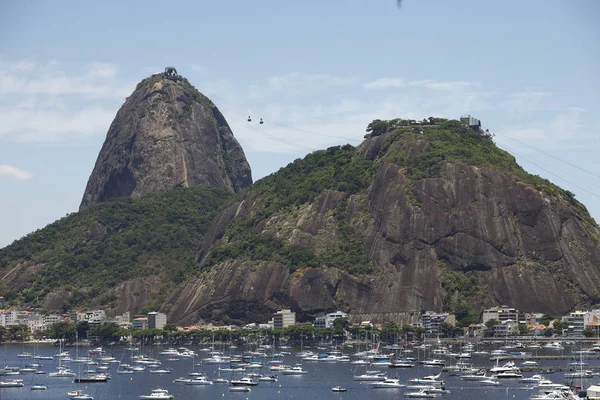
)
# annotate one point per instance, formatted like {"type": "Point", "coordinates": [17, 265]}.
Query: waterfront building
{"type": "Point", "coordinates": [284, 318]}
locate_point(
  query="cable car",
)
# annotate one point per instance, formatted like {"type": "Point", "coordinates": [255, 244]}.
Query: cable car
{"type": "Point", "coordinates": [261, 121]}
{"type": "Point", "coordinates": [249, 119]}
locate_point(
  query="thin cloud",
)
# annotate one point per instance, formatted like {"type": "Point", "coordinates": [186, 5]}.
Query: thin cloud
{"type": "Point", "coordinates": [14, 173]}
{"type": "Point", "coordinates": [527, 101]}
{"type": "Point", "coordinates": [395, 83]}
{"type": "Point", "coordinates": [97, 81]}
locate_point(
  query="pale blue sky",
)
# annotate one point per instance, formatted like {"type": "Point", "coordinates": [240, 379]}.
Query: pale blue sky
{"type": "Point", "coordinates": [317, 71]}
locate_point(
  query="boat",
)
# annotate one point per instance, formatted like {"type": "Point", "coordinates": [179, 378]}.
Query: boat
{"type": "Point", "coordinates": [62, 373]}
{"type": "Point", "coordinates": [220, 380]}
{"type": "Point", "coordinates": [338, 389]}
{"type": "Point", "coordinates": [79, 395]}
{"type": "Point", "coordinates": [160, 371]}
{"type": "Point", "coordinates": [389, 383]}
{"type": "Point", "coordinates": [370, 377]}
{"type": "Point", "coordinates": [580, 374]}
{"type": "Point", "coordinates": [199, 380]}
{"type": "Point", "coordinates": [38, 387]}
{"type": "Point", "coordinates": [268, 378]}
{"type": "Point", "coordinates": [91, 378]}
{"type": "Point", "coordinates": [157, 394]}
{"type": "Point", "coordinates": [421, 394]}
{"type": "Point", "coordinates": [510, 374]}
{"type": "Point", "coordinates": [434, 363]}
{"type": "Point", "coordinates": [245, 381]}
{"type": "Point", "coordinates": [239, 388]}
{"type": "Point", "coordinates": [401, 364]}
{"type": "Point", "coordinates": [531, 379]}
{"type": "Point", "coordinates": [12, 383]}
{"type": "Point", "coordinates": [490, 382]}
{"type": "Point", "coordinates": [297, 370]}
{"type": "Point", "coordinates": [429, 380]}
{"type": "Point", "coordinates": [509, 366]}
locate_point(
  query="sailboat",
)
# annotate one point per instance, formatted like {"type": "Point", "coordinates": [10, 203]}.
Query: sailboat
{"type": "Point", "coordinates": [61, 372]}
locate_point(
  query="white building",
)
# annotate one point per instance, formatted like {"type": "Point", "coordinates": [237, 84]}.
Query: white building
{"type": "Point", "coordinates": [34, 322]}
{"type": "Point", "coordinates": [283, 319]}
{"type": "Point", "coordinates": [95, 316]}
{"type": "Point", "coordinates": [328, 320]}
{"type": "Point", "coordinates": [156, 320]}
{"type": "Point", "coordinates": [506, 328]}
{"type": "Point", "coordinates": [575, 322]}
{"type": "Point", "coordinates": [51, 319]}
{"type": "Point", "coordinates": [502, 313]}
{"type": "Point", "coordinates": [430, 321]}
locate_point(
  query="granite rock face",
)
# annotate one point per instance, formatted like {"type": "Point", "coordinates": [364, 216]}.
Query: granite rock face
{"type": "Point", "coordinates": [525, 248]}
{"type": "Point", "coordinates": [166, 135]}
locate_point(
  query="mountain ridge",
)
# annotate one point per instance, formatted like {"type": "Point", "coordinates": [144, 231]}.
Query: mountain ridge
{"type": "Point", "coordinates": [417, 217]}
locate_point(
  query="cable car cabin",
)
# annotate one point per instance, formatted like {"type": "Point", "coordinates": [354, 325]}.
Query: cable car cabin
{"type": "Point", "coordinates": [249, 119]}
{"type": "Point", "coordinates": [261, 121]}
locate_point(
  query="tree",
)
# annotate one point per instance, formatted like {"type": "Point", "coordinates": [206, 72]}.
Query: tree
{"type": "Point", "coordinates": [546, 318]}
{"type": "Point", "coordinates": [63, 330]}
{"type": "Point", "coordinates": [82, 328]}
{"type": "Point", "coordinates": [390, 331]}
{"type": "Point", "coordinates": [377, 127]}
{"type": "Point", "coordinates": [523, 329]}
{"type": "Point", "coordinates": [489, 330]}
{"type": "Point", "coordinates": [588, 332]}
{"type": "Point", "coordinates": [559, 326]}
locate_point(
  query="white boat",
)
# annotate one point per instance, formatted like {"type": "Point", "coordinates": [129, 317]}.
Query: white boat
{"type": "Point", "coordinates": [269, 378]}
{"type": "Point", "coordinates": [62, 373]}
{"type": "Point", "coordinates": [370, 377]}
{"type": "Point", "coordinates": [199, 380]}
{"type": "Point", "coordinates": [529, 363]}
{"type": "Point", "coordinates": [509, 366]}
{"type": "Point", "coordinates": [160, 371]}
{"type": "Point", "coordinates": [38, 387]}
{"type": "Point", "coordinates": [157, 394]}
{"type": "Point", "coordinates": [297, 370]}
{"type": "Point", "coordinates": [547, 384]}
{"type": "Point", "coordinates": [490, 382]}
{"type": "Point", "coordinates": [389, 383]}
{"type": "Point", "coordinates": [554, 346]}
{"type": "Point", "coordinates": [12, 383]}
{"type": "Point", "coordinates": [220, 380]}
{"type": "Point", "coordinates": [245, 381]}
{"type": "Point", "coordinates": [338, 389]}
{"type": "Point", "coordinates": [429, 380]}
{"type": "Point", "coordinates": [510, 374]}
{"type": "Point", "coordinates": [434, 363]}
{"type": "Point", "coordinates": [239, 388]}
{"type": "Point", "coordinates": [421, 394]}
{"type": "Point", "coordinates": [586, 373]}
{"type": "Point", "coordinates": [79, 395]}
{"type": "Point", "coordinates": [531, 379]}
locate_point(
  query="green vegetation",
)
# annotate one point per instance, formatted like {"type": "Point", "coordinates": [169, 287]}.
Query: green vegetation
{"type": "Point", "coordinates": [283, 192]}
{"type": "Point", "coordinates": [461, 292]}
{"type": "Point", "coordinates": [451, 141]}
{"type": "Point", "coordinates": [158, 233]}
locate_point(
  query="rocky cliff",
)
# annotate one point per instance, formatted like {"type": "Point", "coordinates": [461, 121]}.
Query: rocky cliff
{"type": "Point", "coordinates": [432, 218]}
{"type": "Point", "coordinates": [166, 135]}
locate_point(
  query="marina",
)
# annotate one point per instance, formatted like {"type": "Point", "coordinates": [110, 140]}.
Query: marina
{"type": "Point", "coordinates": [255, 374]}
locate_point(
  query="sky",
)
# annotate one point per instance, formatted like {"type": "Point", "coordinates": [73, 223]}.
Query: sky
{"type": "Point", "coordinates": [316, 71]}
